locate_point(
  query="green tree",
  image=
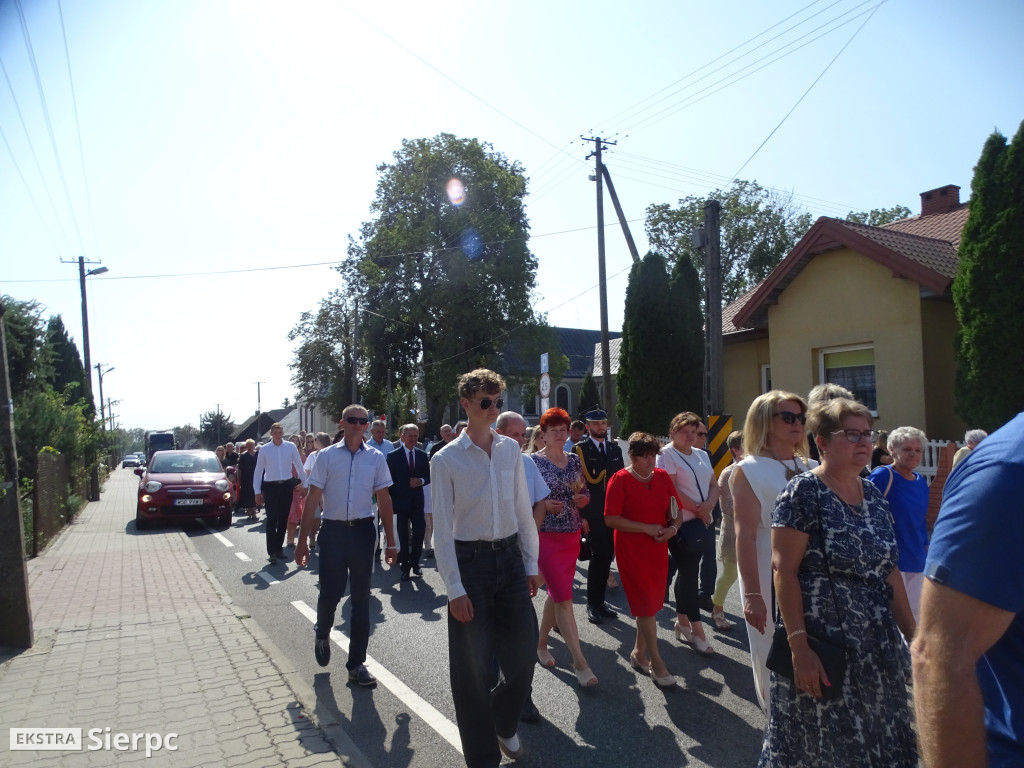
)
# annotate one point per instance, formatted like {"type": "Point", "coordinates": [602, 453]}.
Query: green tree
{"type": "Point", "coordinates": [688, 346]}
{"type": "Point", "coordinates": [214, 428]}
{"type": "Point", "coordinates": [322, 362]}
{"type": "Point", "coordinates": [988, 288]}
{"type": "Point", "coordinates": [25, 333]}
{"type": "Point", "coordinates": [67, 374]}
{"type": "Point", "coordinates": [589, 396]}
{"type": "Point", "coordinates": [758, 228]}
{"type": "Point", "coordinates": [443, 272]}
{"type": "Point", "coordinates": [650, 368]}
{"type": "Point", "coordinates": [876, 217]}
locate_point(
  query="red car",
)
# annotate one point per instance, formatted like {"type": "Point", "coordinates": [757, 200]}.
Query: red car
{"type": "Point", "coordinates": [182, 485]}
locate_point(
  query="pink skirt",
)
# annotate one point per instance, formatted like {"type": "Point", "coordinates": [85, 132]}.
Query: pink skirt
{"type": "Point", "coordinates": [295, 513]}
{"type": "Point", "coordinates": [557, 563]}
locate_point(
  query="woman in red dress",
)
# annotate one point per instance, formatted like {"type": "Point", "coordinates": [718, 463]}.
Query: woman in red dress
{"type": "Point", "coordinates": [637, 508]}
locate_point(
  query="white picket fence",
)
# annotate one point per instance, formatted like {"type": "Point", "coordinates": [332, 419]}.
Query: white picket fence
{"type": "Point", "coordinates": [930, 459]}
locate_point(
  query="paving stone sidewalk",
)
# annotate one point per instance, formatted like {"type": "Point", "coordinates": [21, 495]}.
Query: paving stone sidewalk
{"type": "Point", "coordinates": [134, 633]}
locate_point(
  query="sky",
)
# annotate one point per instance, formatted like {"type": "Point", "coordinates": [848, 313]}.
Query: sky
{"type": "Point", "coordinates": [216, 155]}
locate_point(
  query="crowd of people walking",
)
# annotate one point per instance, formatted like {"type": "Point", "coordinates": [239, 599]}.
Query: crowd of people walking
{"type": "Point", "coordinates": [822, 522]}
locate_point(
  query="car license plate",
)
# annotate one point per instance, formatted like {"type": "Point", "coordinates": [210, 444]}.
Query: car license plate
{"type": "Point", "coordinates": [188, 502]}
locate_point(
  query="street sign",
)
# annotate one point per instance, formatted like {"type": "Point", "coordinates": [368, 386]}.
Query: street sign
{"type": "Point", "coordinates": [544, 363]}
{"type": "Point", "coordinates": [545, 385]}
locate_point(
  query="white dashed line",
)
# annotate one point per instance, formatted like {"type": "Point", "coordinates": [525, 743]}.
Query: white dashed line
{"type": "Point", "coordinates": [267, 577]}
{"type": "Point", "coordinates": [243, 557]}
{"type": "Point", "coordinates": [218, 536]}
{"type": "Point", "coordinates": [417, 704]}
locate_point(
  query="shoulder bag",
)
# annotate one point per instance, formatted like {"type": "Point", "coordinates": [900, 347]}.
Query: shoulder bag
{"type": "Point", "coordinates": [833, 657]}
{"type": "Point", "coordinates": [692, 535]}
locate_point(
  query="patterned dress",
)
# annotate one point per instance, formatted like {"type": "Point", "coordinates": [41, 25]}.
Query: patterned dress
{"type": "Point", "coordinates": [871, 724]}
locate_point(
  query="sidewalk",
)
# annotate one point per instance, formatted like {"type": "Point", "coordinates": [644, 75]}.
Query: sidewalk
{"type": "Point", "coordinates": [134, 635]}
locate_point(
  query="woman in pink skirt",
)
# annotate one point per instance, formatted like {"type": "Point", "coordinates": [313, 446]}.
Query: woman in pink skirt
{"type": "Point", "coordinates": [560, 525]}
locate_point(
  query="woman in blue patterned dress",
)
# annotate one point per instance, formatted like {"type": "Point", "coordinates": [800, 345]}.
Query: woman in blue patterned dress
{"type": "Point", "coordinates": [831, 520]}
{"type": "Point", "coordinates": [560, 525]}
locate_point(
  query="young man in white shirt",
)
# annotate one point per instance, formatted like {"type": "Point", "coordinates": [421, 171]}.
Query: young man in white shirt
{"type": "Point", "coordinates": [278, 468]}
{"type": "Point", "coordinates": [486, 545]}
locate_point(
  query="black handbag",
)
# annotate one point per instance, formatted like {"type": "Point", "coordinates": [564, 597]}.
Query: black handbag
{"type": "Point", "coordinates": [833, 657]}
{"type": "Point", "coordinates": [692, 536]}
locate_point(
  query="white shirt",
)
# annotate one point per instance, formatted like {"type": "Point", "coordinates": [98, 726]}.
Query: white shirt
{"type": "Point", "coordinates": [534, 481]}
{"type": "Point", "coordinates": [274, 463]}
{"type": "Point", "coordinates": [679, 466]}
{"type": "Point", "coordinates": [349, 480]}
{"type": "Point", "coordinates": [476, 497]}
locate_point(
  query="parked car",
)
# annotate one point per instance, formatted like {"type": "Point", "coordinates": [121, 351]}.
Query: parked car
{"type": "Point", "coordinates": [130, 460]}
{"type": "Point", "coordinates": [179, 485]}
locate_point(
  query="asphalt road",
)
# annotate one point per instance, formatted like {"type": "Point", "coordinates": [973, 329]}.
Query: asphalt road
{"type": "Point", "coordinates": [710, 719]}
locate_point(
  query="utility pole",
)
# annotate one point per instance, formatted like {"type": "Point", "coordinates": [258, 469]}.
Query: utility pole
{"type": "Point", "coordinates": [15, 608]}
{"type": "Point", "coordinates": [352, 355]}
{"type": "Point", "coordinates": [218, 424]}
{"type": "Point", "coordinates": [714, 371]}
{"type": "Point", "coordinates": [258, 408]}
{"type": "Point", "coordinates": [606, 375]}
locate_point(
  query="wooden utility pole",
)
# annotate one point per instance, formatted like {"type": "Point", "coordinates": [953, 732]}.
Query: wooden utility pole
{"type": "Point", "coordinates": [714, 371]}
{"type": "Point", "coordinates": [352, 355]}
{"type": "Point", "coordinates": [606, 366]}
{"type": "Point", "coordinates": [622, 217]}
{"type": "Point", "coordinates": [15, 609]}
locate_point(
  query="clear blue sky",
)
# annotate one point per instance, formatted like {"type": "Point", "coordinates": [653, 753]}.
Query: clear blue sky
{"type": "Point", "coordinates": [214, 137]}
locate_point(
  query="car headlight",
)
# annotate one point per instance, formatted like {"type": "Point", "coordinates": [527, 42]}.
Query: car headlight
{"type": "Point", "coordinates": [153, 486]}
{"type": "Point", "coordinates": [221, 485]}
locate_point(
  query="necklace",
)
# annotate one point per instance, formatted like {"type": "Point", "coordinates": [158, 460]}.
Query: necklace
{"type": "Point", "coordinates": [645, 480]}
{"type": "Point", "coordinates": [857, 506]}
{"type": "Point", "coordinates": [790, 472]}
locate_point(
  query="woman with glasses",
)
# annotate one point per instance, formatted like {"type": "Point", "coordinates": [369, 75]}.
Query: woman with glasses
{"type": "Point", "coordinates": [776, 446]}
{"type": "Point", "coordinates": [560, 525]}
{"type": "Point", "coordinates": [836, 578]}
{"type": "Point", "coordinates": [907, 494]}
{"type": "Point", "coordinates": [694, 480]}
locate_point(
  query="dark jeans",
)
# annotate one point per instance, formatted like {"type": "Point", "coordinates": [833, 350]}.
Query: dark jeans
{"type": "Point", "coordinates": [499, 641]}
{"type": "Point", "coordinates": [409, 551]}
{"type": "Point", "coordinates": [688, 565]}
{"type": "Point", "coordinates": [346, 553]}
{"type": "Point", "coordinates": [602, 552]}
{"type": "Point", "coordinates": [277, 498]}
{"type": "Point", "coordinates": [708, 566]}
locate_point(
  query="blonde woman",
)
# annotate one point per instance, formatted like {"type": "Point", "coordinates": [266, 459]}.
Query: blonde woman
{"type": "Point", "coordinates": [775, 442]}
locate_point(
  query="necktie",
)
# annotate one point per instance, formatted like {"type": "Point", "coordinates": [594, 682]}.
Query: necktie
{"type": "Point", "coordinates": [601, 445]}
{"type": "Point", "coordinates": [412, 465]}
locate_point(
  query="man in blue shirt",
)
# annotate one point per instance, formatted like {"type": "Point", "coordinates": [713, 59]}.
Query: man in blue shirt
{"type": "Point", "coordinates": [969, 649]}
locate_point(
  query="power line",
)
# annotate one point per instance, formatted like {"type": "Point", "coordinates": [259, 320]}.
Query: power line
{"type": "Point", "coordinates": [46, 117]}
{"type": "Point", "coordinates": [826, 69]}
{"type": "Point", "coordinates": [29, 190]}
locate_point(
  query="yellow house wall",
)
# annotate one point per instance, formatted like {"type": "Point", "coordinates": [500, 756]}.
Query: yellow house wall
{"type": "Point", "coordinates": [939, 332]}
{"type": "Point", "coordinates": [742, 363]}
{"type": "Point", "coordinates": [842, 299]}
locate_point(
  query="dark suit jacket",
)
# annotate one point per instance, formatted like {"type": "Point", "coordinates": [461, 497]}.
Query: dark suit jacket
{"type": "Point", "coordinates": [404, 498]}
{"type": "Point", "coordinates": [594, 464]}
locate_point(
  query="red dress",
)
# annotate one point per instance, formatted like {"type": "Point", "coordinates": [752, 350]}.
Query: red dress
{"type": "Point", "coordinates": [643, 562]}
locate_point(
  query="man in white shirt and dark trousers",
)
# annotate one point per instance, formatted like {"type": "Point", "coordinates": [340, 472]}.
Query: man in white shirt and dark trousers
{"type": "Point", "coordinates": [273, 483]}
{"type": "Point", "coordinates": [343, 481]}
{"type": "Point", "coordinates": [486, 545]}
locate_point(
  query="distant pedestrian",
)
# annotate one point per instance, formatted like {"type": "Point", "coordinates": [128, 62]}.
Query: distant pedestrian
{"type": "Point", "coordinates": [447, 435]}
{"type": "Point", "coordinates": [410, 472]}
{"type": "Point", "coordinates": [246, 474]}
{"type": "Point", "coordinates": [278, 471]}
{"type": "Point", "coordinates": [972, 437]}
{"type": "Point", "coordinates": [320, 441]}
{"type": "Point", "coordinates": [377, 438]}
{"type": "Point", "coordinates": [344, 480]}
{"type": "Point", "coordinates": [486, 544]}
{"type": "Point", "coordinates": [726, 551]}
{"type": "Point", "coordinates": [577, 431]}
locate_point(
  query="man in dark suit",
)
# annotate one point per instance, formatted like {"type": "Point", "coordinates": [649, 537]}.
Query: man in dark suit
{"type": "Point", "coordinates": [601, 459]}
{"type": "Point", "coordinates": [410, 471]}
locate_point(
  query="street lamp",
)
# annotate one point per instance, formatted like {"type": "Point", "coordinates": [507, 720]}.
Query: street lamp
{"type": "Point", "coordinates": [94, 479]}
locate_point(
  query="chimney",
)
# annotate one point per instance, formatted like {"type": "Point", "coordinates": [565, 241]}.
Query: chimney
{"type": "Point", "coordinates": [941, 200]}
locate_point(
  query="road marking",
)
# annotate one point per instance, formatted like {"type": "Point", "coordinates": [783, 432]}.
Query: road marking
{"type": "Point", "coordinates": [243, 557]}
{"type": "Point", "coordinates": [445, 727]}
{"type": "Point", "coordinates": [267, 577]}
{"type": "Point", "coordinates": [218, 536]}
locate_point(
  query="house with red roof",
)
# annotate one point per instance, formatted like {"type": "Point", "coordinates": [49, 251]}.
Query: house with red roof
{"type": "Point", "coordinates": [869, 308]}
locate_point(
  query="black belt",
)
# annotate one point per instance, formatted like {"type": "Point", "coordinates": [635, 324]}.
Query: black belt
{"type": "Point", "coordinates": [505, 543]}
{"type": "Point", "coordinates": [275, 482]}
{"type": "Point", "coordinates": [347, 523]}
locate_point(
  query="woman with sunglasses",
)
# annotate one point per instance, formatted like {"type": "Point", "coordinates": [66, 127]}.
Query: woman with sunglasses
{"type": "Point", "coordinates": [561, 525]}
{"type": "Point", "coordinates": [834, 557]}
{"type": "Point", "coordinates": [776, 446]}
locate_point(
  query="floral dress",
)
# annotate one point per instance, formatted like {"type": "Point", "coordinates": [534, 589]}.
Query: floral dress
{"type": "Point", "coordinates": [871, 724]}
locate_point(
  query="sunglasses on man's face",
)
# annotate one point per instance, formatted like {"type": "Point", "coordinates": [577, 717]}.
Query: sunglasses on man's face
{"type": "Point", "coordinates": [357, 420]}
{"type": "Point", "coordinates": [486, 403]}
{"type": "Point", "coordinates": [790, 418]}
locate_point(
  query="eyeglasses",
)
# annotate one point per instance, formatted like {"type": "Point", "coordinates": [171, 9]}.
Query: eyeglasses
{"type": "Point", "coordinates": [486, 403]}
{"type": "Point", "coordinates": [856, 436]}
{"type": "Point", "coordinates": [789, 418]}
{"type": "Point", "coordinates": [702, 434]}
{"type": "Point", "coordinates": [357, 420]}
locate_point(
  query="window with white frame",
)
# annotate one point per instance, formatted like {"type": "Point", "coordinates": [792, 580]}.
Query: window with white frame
{"type": "Point", "coordinates": [851, 367]}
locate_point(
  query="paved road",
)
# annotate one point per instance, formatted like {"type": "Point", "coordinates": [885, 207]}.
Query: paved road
{"type": "Point", "coordinates": [408, 720]}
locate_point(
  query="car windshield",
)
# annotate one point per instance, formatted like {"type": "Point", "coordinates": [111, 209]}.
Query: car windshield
{"type": "Point", "coordinates": [131, 456]}
{"type": "Point", "coordinates": [184, 463]}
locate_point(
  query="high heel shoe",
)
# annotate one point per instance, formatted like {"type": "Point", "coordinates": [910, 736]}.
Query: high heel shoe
{"type": "Point", "coordinates": [663, 682]}
{"type": "Point", "coordinates": [586, 677]}
{"type": "Point", "coordinates": [721, 623]}
{"type": "Point", "coordinates": [683, 632]}
{"type": "Point", "coordinates": [634, 662]}
{"type": "Point", "coordinates": [545, 658]}
{"type": "Point", "coordinates": [702, 646]}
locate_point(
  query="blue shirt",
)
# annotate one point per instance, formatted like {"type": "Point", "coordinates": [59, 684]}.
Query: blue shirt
{"type": "Point", "coordinates": [349, 480]}
{"type": "Point", "coordinates": [535, 484]}
{"type": "Point", "coordinates": [908, 503]}
{"type": "Point", "coordinates": [978, 549]}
